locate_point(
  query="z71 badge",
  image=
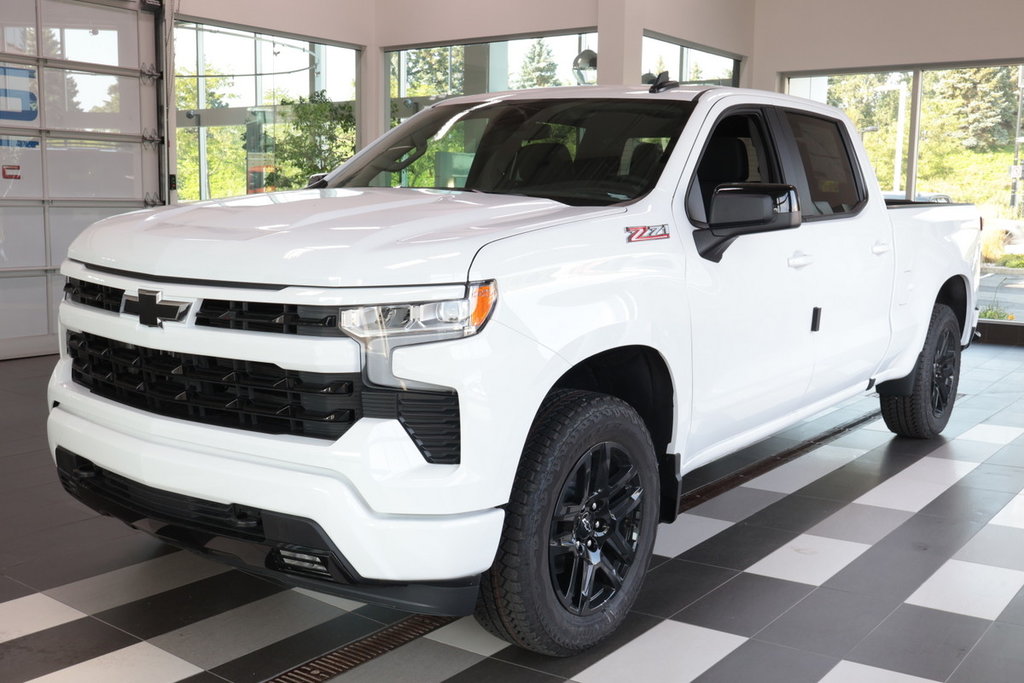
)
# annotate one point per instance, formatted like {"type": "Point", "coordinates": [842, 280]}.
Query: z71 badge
{"type": "Point", "coordinates": [642, 233]}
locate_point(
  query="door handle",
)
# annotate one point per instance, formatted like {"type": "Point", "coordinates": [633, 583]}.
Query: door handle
{"type": "Point", "coordinates": [799, 260]}
{"type": "Point", "coordinates": [879, 248]}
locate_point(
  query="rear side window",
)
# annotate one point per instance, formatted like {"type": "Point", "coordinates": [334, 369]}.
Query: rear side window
{"type": "Point", "coordinates": [826, 160]}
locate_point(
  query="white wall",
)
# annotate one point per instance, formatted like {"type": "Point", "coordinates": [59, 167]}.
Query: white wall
{"type": "Point", "coordinates": [803, 35]}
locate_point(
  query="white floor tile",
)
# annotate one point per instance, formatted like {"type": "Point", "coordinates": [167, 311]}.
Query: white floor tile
{"type": "Point", "coordinates": [1012, 514]}
{"type": "Point", "coordinates": [992, 434]}
{"type": "Point", "coordinates": [467, 634]}
{"type": "Point", "coordinates": [808, 559]}
{"type": "Point", "coordinates": [806, 469]}
{"type": "Point", "coordinates": [33, 613]}
{"type": "Point", "coordinates": [139, 662]}
{"type": "Point", "coordinates": [137, 581]}
{"type": "Point", "coordinates": [670, 652]}
{"type": "Point", "coordinates": [976, 590]}
{"type": "Point", "coordinates": [851, 672]}
{"type": "Point", "coordinates": [686, 532]}
{"type": "Point", "coordinates": [861, 523]}
{"type": "Point", "coordinates": [917, 485]}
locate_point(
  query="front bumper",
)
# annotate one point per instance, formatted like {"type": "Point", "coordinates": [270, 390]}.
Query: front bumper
{"type": "Point", "coordinates": [285, 548]}
{"type": "Point", "coordinates": [376, 546]}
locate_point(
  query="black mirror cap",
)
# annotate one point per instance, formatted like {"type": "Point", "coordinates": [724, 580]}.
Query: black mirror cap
{"type": "Point", "coordinates": [316, 180]}
{"type": "Point", "coordinates": [743, 209]}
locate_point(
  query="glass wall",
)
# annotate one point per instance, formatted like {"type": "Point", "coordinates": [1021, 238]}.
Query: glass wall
{"type": "Point", "coordinates": [78, 121]}
{"type": "Point", "coordinates": [968, 149]}
{"type": "Point", "coordinates": [257, 112]}
{"type": "Point", "coordinates": [423, 75]}
{"type": "Point", "coordinates": [687, 64]}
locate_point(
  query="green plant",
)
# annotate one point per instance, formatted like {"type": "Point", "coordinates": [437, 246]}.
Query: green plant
{"type": "Point", "coordinates": [994, 312]}
{"type": "Point", "coordinates": [1011, 261]}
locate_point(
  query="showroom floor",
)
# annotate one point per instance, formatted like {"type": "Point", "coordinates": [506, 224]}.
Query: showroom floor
{"type": "Point", "coordinates": [866, 559]}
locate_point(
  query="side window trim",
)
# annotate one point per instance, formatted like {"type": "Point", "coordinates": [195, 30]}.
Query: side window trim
{"type": "Point", "coordinates": [797, 173]}
{"type": "Point", "coordinates": [772, 154]}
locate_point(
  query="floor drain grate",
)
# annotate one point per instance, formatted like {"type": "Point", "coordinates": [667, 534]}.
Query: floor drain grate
{"type": "Point", "coordinates": [361, 651]}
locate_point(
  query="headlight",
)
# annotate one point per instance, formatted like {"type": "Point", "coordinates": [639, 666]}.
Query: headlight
{"type": "Point", "coordinates": [384, 327]}
{"type": "Point", "coordinates": [417, 323]}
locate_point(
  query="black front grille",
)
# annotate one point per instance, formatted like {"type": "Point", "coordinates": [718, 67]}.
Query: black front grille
{"type": "Point", "coordinates": [251, 316]}
{"type": "Point", "coordinates": [259, 397]}
{"type": "Point", "coordinates": [94, 295]}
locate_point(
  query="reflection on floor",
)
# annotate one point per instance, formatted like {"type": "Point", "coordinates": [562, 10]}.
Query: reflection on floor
{"type": "Point", "coordinates": [867, 559]}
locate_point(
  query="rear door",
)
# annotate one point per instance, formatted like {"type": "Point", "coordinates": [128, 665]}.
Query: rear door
{"type": "Point", "coordinates": [847, 242]}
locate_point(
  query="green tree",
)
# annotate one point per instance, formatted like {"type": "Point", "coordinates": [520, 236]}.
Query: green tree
{"type": "Point", "coordinates": [435, 71]}
{"type": "Point", "coordinates": [225, 150]}
{"type": "Point", "coordinates": [981, 101]}
{"type": "Point", "coordinates": [319, 135]}
{"type": "Point", "coordinates": [539, 69]}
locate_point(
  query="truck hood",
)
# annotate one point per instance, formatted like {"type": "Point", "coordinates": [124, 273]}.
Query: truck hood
{"type": "Point", "coordinates": [320, 238]}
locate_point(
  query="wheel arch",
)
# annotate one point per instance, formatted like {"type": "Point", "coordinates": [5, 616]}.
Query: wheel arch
{"type": "Point", "coordinates": [953, 293]}
{"type": "Point", "coordinates": [639, 376]}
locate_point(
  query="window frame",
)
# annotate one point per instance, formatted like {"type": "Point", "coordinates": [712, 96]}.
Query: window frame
{"type": "Point", "coordinates": [774, 155]}
{"type": "Point", "coordinates": [796, 173]}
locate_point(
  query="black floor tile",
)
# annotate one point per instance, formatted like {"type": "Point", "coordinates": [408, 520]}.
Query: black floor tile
{"type": "Point", "coordinates": [495, 671]}
{"type": "Point", "coordinates": [1013, 613]}
{"type": "Point", "coordinates": [633, 626]}
{"type": "Point", "coordinates": [188, 604]}
{"type": "Point", "coordinates": [1011, 455]}
{"type": "Point", "coordinates": [730, 464]}
{"type": "Point", "coordinates": [739, 546]}
{"type": "Point", "coordinates": [767, 663]}
{"type": "Point", "coordinates": [795, 513]}
{"type": "Point", "coordinates": [380, 614]}
{"type": "Point", "coordinates": [920, 642]}
{"type": "Point", "coordinates": [961, 501]}
{"type": "Point", "coordinates": [997, 658]}
{"type": "Point", "coordinates": [828, 622]}
{"type": "Point", "coordinates": [745, 604]}
{"type": "Point", "coordinates": [54, 563]}
{"type": "Point", "coordinates": [675, 584]}
{"type": "Point", "coordinates": [992, 477]}
{"type": "Point", "coordinates": [204, 677]}
{"type": "Point", "coordinates": [298, 649]}
{"type": "Point", "coordinates": [56, 648]}
{"type": "Point", "coordinates": [898, 564]}
{"type": "Point", "coordinates": [11, 590]}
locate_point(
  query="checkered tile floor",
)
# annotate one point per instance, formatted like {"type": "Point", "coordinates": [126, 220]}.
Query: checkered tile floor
{"type": "Point", "coordinates": [866, 559]}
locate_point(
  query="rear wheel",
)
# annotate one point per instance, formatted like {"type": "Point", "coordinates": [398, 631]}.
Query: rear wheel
{"type": "Point", "coordinates": [579, 529]}
{"type": "Point", "coordinates": [924, 413]}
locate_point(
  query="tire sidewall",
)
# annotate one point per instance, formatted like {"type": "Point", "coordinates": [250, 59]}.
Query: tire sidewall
{"type": "Point", "coordinates": [943, 319]}
{"type": "Point", "coordinates": [619, 424]}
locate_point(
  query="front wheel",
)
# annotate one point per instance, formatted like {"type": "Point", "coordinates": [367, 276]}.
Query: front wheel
{"type": "Point", "coordinates": [924, 413]}
{"type": "Point", "coordinates": [579, 529]}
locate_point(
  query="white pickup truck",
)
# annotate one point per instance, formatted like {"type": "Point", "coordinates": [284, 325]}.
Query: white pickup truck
{"type": "Point", "coordinates": [467, 369]}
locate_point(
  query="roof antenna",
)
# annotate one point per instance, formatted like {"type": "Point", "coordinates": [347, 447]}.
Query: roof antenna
{"type": "Point", "coordinates": [662, 83]}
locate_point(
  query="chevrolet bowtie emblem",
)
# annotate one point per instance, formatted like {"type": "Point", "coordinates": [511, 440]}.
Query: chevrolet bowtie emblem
{"type": "Point", "coordinates": [152, 311]}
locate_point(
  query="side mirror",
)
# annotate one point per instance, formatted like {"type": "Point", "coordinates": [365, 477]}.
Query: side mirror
{"type": "Point", "coordinates": [316, 180]}
{"type": "Point", "coordinates": [744, 209]}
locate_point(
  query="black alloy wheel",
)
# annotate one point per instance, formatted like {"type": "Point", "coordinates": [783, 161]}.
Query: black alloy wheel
{"type": "Point", "coordinates": [595, 528]}
{"type": "Point", "coordinates": [579, 527]}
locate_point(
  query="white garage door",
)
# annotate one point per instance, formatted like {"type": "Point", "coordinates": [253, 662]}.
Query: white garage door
{"type": "Point", "coordinates": [78, 142]}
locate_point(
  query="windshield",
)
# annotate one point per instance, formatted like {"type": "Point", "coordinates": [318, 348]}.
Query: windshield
{"type": "Point", "coordinates": [584, 151]}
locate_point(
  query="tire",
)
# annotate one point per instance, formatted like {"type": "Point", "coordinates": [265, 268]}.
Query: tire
{"type": "Point", "coordinates": [924, 413]}
{"type": "Point", "coordinates": [579, 528]}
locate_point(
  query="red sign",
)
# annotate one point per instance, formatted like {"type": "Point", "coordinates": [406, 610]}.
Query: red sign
{"type": "Point", "coordinates": [10, 172]}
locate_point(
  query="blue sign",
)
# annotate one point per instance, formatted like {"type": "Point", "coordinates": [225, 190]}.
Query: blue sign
{"type": "Point", "coordinates": [26, 99]}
